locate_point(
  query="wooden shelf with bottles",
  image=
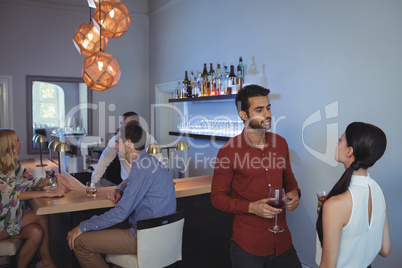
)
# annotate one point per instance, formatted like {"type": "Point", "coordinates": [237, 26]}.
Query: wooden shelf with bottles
{"type": "Point", "coordinates": [216, 98]}
{"type": "Point", "coordinates": [199, 136]}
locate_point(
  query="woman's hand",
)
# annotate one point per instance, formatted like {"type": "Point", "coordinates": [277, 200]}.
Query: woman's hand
{"type": "Point", "coordinates": [59, 191]}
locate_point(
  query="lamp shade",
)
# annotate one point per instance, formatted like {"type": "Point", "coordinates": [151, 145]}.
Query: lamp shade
{"type": "Point", "coordinates": [61, 147]}
{"type": "Point", "coordinates": [87, 39]}
{"type": "Point", "coordinates": [95, 3]}
{"type": "Point", "coordinates": [53, 144]}
{"type": "Point", "coordinates": [101, 71]}
{"type": "Point", "coordinates": [154, 149]}
{"type": "Point", "coordinates": [113, 18]}
{"type": "Point", "coordinates": [39, 138]}
{"type": "Point", "coordinates": [182, 146]}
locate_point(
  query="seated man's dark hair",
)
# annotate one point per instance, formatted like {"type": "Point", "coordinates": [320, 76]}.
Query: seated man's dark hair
{"type": "Point", "coordinates": [135, 133]}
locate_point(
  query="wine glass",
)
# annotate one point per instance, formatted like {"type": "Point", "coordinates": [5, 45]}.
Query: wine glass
{"type": "Point", "coordinates": [276, 199]}
{"type": "Point", "coordinates": [321, 196]}
{"type": "Point", "coordinates": [51, 175]}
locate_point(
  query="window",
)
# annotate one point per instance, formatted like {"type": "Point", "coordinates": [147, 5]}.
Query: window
{"type": "Point", "coordinates": [6, 102]}
{"type": "Point", "coordinates": [48, 106]}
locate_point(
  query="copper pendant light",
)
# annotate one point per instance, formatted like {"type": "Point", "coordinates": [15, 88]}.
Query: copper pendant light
{"type": "Point", "coordinates": [87, 39]}
{"type": "Point", "coordinates": [95, 3]}
{"type": "Point", "coordinates": [112, 18]}
{"type": "Point", "coordinates": [101, 71]}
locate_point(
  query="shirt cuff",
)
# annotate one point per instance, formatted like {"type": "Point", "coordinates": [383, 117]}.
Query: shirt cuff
{"type": "Point", "coordinates": [84, 226]}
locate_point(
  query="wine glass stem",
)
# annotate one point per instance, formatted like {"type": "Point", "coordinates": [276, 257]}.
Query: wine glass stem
{"type": "Point", "coordinates": [276, 219]}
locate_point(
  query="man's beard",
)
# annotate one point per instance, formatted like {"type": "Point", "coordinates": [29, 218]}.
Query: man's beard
{"type": "Point", "coordinates": [258, 125]}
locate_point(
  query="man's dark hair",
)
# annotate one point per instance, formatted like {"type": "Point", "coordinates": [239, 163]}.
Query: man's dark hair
{"type": "Point", "coordinates": [135, 133]}
{"type": "Point", "coordinates": [131, 116]}
{"type": "Point", "coordinates": [242, 98]}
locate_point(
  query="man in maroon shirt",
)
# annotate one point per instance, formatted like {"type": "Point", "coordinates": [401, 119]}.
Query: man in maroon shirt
{"type": "Point", "coordinates": [246, 167]}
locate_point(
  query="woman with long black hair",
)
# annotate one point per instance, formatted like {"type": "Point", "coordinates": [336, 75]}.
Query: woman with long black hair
{"type": "Point", "coordinates": [353, 222]}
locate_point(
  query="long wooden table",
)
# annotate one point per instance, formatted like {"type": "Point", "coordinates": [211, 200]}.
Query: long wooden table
{"type": "Point", "coordinates": [77, 199]}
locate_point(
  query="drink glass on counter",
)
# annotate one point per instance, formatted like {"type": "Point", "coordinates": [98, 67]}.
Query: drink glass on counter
{"type": "Point", "coordinates": [321, 196]}
{"type": "Point", "coordinates": [51, 175]}
{"type": "Point", "coordinates": [91, 189]}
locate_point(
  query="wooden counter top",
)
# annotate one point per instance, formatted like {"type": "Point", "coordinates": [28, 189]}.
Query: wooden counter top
{"type": "Point", "coordinates": [193, 186]}
{"type": "Point", "coordinates": [77, 200]}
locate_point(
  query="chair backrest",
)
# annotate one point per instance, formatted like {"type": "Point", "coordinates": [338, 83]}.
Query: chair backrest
{"type": "Point", "coordinates": [159, 240]}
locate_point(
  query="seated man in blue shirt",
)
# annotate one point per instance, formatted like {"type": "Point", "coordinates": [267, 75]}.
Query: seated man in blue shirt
{"type": "Point", "coordinates": [147, 193]}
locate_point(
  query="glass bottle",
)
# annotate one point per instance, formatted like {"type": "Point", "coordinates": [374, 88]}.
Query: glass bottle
{"type": "Point", "coordinates": [232, 80]}
{"type": "Point", "coordinates": [184, 90]}
{"type": "Point", "coordinates": [241, 68]}
{"type": "Point", "coordinates": [211, 69]}
{"type": "Point", "coordinates": [186, 79]}
{"type": "Point", "coordinates": [201, 85]}
{"type": "Point", "coordinates": [239, 79]}
{"type": "Point", "coordinates": [197, 86]}
{"type": "Point", "coordinates": [205, 72]}
{"type": "Point", "coordinates": [225, 83]}
{"type": "Point", "coordinates": [206, 82]}
{"type": "Point", "coordinates": [218, 80]}
{"type": "Point", "coordinates": [177, 92]}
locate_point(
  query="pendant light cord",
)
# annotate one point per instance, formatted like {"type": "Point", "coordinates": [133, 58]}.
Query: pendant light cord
{"type": "Point", "coordinates": [100, 25]}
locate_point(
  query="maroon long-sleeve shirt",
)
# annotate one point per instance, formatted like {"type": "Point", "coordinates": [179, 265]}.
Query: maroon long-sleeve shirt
{"type": "Point", "coordinates": [244, 174]}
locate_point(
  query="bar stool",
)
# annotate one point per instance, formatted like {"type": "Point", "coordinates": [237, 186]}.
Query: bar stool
{"type": "Point", "coordinates": [159, 243]}
{"type": "Point", "coordinates": [9, 247]}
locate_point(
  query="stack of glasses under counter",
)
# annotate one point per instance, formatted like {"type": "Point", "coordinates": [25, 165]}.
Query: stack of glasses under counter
{"type": "Point", "coordinates": [211, 83]}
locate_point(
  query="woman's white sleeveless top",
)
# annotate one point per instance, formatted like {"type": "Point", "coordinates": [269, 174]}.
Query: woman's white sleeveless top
{"type": "Point", "coordinates": [361, 241]}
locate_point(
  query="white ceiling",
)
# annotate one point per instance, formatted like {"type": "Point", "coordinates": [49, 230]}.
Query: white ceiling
{"type": "Point", "coordinates": [134, 6]}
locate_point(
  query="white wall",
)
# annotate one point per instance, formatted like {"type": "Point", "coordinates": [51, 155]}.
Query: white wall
{"type": "Point", "coordinates": [316, 53]}
{"type": "Point", "coordinates": [36, 39]}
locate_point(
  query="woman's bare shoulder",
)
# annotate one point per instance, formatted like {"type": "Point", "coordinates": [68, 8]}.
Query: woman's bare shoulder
{"type": "Point", "coordinates": [339, 205]}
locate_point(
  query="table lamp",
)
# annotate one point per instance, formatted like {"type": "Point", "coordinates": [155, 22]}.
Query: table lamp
{"type": "Point", "coordinates": [156, 149]}
{"type": "Point", "coordinates": [61, 147]}
{"type": "Point", "coordinates": [51, 147]}
{"type": "Point", "coordinates": [40, 139]}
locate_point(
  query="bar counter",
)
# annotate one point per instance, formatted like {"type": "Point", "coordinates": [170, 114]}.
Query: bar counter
{"type": "Point", "coordinates": [77, 200]}
{"type": "Point", "coordinates": [206, 234]}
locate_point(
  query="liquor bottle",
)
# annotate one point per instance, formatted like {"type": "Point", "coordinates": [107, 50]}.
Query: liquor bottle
{"type": "Point", "coordinates": [218, 80]}
{"type": "Point", "coordinates": [205, 78]}
{"type": "Point", "coordinates": [201, 85]}
{"type": "Point", "coordinates": [239, 79]}
{"type": "Point", "coordinates": [191, 78]}
{"type": "Point", "coordinates": [197, 86]}
{"type": "Point", "coordinates": [205, 72]}
{"type": "Point", "coordinates": [211, 69]}
{"type": "Point", "coordinates": [186, 79]}
{"type": "Point", "coordinates": [191, 83]}
{"type": "Point", "coordinates": [225, 83]}
{"type": "Point", "coordinates": [241, 67]}
{"type": "Point", "coordinates": [183, 90]}
{"type": "Point", "coordinates": [232, 80]}
{"type": "Point", "coordinates": [177, 92]}
{"type": "Point", "coordinates": [210, 83]}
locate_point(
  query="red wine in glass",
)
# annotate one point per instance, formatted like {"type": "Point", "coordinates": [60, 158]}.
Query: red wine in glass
{"type": "Point", "coordinates": [276, 203]}
{"type": "Point", "coordinates": [276, 199]}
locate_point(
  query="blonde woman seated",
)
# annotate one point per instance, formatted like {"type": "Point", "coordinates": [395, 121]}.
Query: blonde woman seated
{"type": "Point", "coordinates": [18, 185]}
{"type": "Point", "coordinates": [353, 222]}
